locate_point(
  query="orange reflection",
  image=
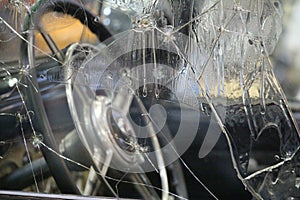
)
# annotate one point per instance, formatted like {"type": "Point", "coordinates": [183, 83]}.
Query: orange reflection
{"type": "Point", "coordinates": [64, 30]}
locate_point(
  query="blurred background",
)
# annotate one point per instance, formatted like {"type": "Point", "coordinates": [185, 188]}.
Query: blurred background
{"type": "Point", "coordinates": [66, 30]}
{"type": "Point", "coordinates": [286, 57]}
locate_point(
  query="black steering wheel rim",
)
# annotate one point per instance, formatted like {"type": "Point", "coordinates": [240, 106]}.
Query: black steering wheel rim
{"type": "Point", "coordinates": [31, 93]}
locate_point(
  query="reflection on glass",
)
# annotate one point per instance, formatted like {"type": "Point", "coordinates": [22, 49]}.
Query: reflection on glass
{"type": "Point", "coordinates": [105, 109]}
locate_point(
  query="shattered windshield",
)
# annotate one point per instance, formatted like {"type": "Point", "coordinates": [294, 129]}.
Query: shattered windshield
{"type": "Point", "coordinates": [149, 99]}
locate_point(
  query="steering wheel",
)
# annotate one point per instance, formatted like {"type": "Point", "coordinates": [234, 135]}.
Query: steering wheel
{"type": "Point", "coordinates": [34, 103]}
{"type": "Point", "coordinates": [33, 97]}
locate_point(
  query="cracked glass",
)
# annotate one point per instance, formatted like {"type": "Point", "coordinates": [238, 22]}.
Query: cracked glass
{"type": "Point", "coordinates": [146, 99]}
